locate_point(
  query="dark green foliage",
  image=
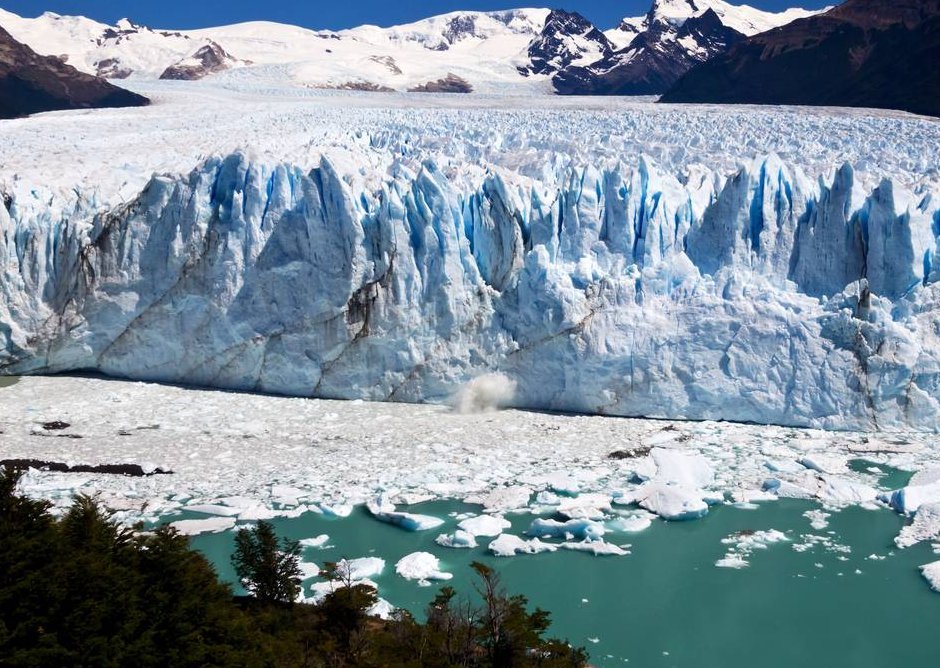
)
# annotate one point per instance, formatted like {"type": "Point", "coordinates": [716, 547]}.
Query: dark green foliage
{"type": "Point", "coordinates": [267, 568]}
{"type": "Point", "coordinates": [83, 591]}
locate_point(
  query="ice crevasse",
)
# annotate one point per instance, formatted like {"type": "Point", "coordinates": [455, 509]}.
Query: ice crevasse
{"type": "Point", "coordinates": [767, 296]}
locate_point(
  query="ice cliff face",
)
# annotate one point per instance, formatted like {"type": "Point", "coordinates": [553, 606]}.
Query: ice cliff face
{"type": "Point", "coordinates": [768, 297]}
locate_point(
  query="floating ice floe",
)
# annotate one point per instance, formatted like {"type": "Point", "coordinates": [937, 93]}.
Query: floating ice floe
{"type": "Point", "coordinates": [308, 570]}
{"type": "Point", "coordinates": [572, 529]}
{"type": "Point", "coordinates": [598, 548]}
{"type": "Point", "coordinates": [592, 506]}
{"type": "Point", "coordinates": [484, 525]}
{"type": "Point", "coordinates": [634, 523]}
{"type": "Point", "coordinates": [458, 539]}
{"type": "Point", "coordinates": [671, 502]}
{"type": "Point", "coordinates": [316, 542]}
{"type": "Point", "coordinates": [384, 511]}
{"type": "Point", "coordinates": [818, 519]}
{"type": "Point", "coordinates": [359, 569]}
{"type": "Point", "coordinates": [908, 499]}
{"type": "Point", "coordinates": [505, 499]}
{"type": "Point", "coordinates": [744, 543]}
{"type": "Point", "coordinates": [421, 566]}
{"type": "Point", "coordinates": [319, 590]}
{"type": "Point", "coordinates": [692, 471]}
{"type": "Point", "coordinates": [925, 526]}
{"type": "Point", "coordinates": [382, 609]}
{"type": "Point", "coordinates": [931, 573]}
{"type": "Point", "coordinates": [507, 545]}
{"type": "Point", "coordinates": [211, 525]}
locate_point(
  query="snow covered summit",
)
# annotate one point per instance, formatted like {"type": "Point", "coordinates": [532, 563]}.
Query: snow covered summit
{"type": "Point", "coordinates": [518, 50]}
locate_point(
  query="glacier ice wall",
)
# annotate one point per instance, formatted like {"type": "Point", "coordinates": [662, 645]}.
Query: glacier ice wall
{"type": "Point", "coordinates": [769, 297]}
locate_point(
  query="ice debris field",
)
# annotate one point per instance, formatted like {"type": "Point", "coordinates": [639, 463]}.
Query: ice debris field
{"type": "Point", "coordinates": [769, 265]}
{"type": "Point", "coordinates": [237, 458]}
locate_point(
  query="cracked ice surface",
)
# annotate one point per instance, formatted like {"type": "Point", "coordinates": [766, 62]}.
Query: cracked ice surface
{"type": "Point", "coordinates": [236, 456]}
{"type": "Point", "coordinates": [607, 257]}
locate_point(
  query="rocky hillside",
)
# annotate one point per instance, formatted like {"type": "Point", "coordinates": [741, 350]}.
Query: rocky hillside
{"type": "Point", "coordinates": [863, 53]}
{"type": "Point", "coordinates": [30, 83]}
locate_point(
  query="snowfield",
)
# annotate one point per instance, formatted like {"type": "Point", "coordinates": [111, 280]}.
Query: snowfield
{"type": "Point", "coordinates": [604, 256]}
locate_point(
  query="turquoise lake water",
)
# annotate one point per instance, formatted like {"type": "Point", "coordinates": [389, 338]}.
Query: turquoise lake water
{"type": "Point", "coordinates": [667, 604]}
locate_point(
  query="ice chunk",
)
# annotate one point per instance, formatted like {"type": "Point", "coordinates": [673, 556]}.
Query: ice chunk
{"type": "Point", "coordinates": [507, 545]}
{"type": "Point", "coordinates": [308, 570]}
{"type": "Point", "coordinates": [596, 547]}
{"type": "Point", "coordinates": [631, 523]}
{"type": "Point", "coordinates": [384, 511]}
{"type": "Point", "coordinates": [382, 609]}
{"type": "Point", "coordinates": [680, 468]}
{"type": "Point", "coordinates": [211, 525]}
{"type": "Point", "coordinates": [458, 539]}
{"type": "Point", "coordinates": [585, 506]}
{"type": "Point", "coordinates": [908, 499]}
{"type": "Point", "coordinates": [318, 541]}
{"type": "Point", "coordinates": [484, 525]}
{"type": "Point", "coordinates": [671, 502]}
{"type": "Point", "coordinates": [931, 573]}
{"type": "Point", "coordinates": [926, 526]}
{"type": "Point", "coordinates": [744, 543]}
{"type": "Point", "coordinates": [360, 569]}
{"type": "Point", "coordinates": [506, 499]}
{"type": "Point", "coordinates": [572, 529]}
{"type": "Point", "coordinates": [319, 590]}
{"type": "Point", "coordinates": [421, 566]}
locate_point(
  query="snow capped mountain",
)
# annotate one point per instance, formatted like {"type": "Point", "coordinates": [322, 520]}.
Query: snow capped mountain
{"type": "Point", "coordinates": [675, 35]}
{"type": "Point", "coordinates": [31, 83]}
{"type": "Point", "coordinates": [654, 59]}
{"type": "Point", "coordinates": [483, 48]}
{"type": "Point", "coordinates": [531, 50]}
{"type": "Point", "coordinates": [742, 18]}
{"type": "Point", "coordinates": [567, 39]}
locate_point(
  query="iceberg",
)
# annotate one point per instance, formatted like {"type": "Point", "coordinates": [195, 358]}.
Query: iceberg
{"type": "Point", "coordinates": [484, 525]}
{"type": "Point", "coordinates": [384, 511]}
{"type": "Point", "coordinates": [580, 529]}
{"type": "Point", "coordinates": [507, 545]}
{"type": "Point", "coordinates": [360, 569]}
{"type": "Point", "coordinates": [458, 539]}
{"type": "Point", "coordinates": [421, 566]}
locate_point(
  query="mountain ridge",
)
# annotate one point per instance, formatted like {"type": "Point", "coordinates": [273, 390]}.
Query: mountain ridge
{"type": "Point", "coordinates": [863, 53]}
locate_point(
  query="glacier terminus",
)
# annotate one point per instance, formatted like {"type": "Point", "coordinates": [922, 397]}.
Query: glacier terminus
{"type": "Point", "coordinates": [394, 253]}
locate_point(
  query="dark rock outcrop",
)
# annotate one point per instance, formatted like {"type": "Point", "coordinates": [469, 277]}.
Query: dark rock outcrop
{"type": "Point", "coordinates": [653, 61]}
{"type": "Point", "coordinates": [209, 59]}
{"type": "Point", "coordinates": [863, 53]}
{"type": "Point", "coordinates": [30, 83]}
{"type": "Point", "coordinates": [566, 37]}
{"type": "Point", "coordinates": [449, 84]}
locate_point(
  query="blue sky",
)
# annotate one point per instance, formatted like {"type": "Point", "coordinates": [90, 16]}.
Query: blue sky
{"type": "Point", "coordinates": [332, 14]}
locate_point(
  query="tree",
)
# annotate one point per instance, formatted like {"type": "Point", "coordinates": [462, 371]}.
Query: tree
{"type": "Point", "coordinates": [267, 567]}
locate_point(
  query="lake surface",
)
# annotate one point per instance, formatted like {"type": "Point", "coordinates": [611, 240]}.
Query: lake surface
{"type": "Point", "coordinates": [6, 381]}
{"type": "Point", "coordinates": [845, 597]}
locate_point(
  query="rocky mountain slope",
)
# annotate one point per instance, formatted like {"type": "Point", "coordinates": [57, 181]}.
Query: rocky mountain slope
{"type": "Point", "coordinates": [30, 83]}
{"type": "Point", "coordinates": [870, 53]}
{"type": "Point", "coordinates": [657, 49]}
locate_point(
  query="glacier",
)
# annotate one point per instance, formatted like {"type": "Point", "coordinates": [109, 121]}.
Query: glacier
{"type": "Point", "coordinates": [601, 256]}
{"type": "Point", "coordinates": [769, 297]}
